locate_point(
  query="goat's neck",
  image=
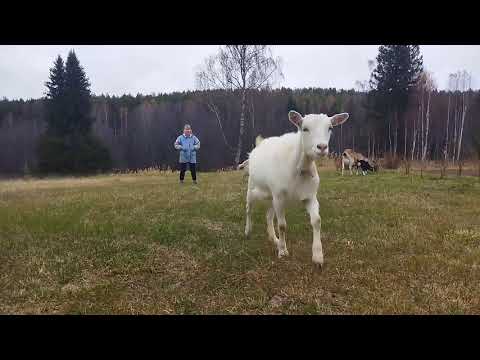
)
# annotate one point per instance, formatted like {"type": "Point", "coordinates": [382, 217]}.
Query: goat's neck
{"type": "Point", "coordinates": [302, 161]}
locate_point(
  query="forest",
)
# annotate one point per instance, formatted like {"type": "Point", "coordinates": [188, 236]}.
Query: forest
{"type": "Point", "coordinates": [140, 131]}
{"type": "Point", "coordinates": [399, 112]}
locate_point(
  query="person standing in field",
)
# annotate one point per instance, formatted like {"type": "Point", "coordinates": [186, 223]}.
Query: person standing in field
{"type": "Point", "coordinates": [188, 144]}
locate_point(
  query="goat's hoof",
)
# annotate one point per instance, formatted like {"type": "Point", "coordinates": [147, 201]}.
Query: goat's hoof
{"type": "Point", "coordinates": [318, 262]}
{"type": "Point", "coordinates": [282, 253]}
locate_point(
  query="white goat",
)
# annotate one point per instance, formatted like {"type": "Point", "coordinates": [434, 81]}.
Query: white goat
{"type": "Point", "coordinates": [282, 168]}
{"type": "Point", "coordinates": [244, 165]}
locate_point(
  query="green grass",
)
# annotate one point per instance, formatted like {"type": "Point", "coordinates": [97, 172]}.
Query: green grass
{"type": "Point", "coordinates": [143, 244]}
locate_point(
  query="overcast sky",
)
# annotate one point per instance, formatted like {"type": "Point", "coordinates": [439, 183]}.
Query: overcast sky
{"type": "Point", "coordinates": [119, 70]}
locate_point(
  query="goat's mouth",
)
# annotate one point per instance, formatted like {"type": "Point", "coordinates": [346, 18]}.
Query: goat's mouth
{"type": "Point", "coordinates": [320, 153]}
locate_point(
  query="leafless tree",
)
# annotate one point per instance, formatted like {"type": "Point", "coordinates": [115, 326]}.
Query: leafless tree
{"type": "Point", "coordinates": [426, 86]}
{"type": "Point", "coordinates": [460, 87]}
{"type": "Point", "coordinates": [415, 133]}
{"type": "Point", "coordinates": [365, 86]}
{"type": "Point", "coordinates": [241, 68]}
{"type": "Point", "coordinates": [454, 88]}
{"type": "Point", "coordinates": [210, 100]}
{"type": "Point", "coordinates": [451, 85]}
{"type": "Point", "coordinates": [465, 86]}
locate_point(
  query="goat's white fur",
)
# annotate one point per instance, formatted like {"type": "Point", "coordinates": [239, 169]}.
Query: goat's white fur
{"type": "Point", "coordinates": [282, 168]}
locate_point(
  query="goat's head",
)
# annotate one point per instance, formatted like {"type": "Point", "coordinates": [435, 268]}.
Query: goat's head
{"type": "Point", "coordinates": [315, 130]}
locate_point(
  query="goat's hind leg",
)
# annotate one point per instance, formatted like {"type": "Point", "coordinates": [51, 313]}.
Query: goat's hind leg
{"type": "Point", "coordinates": [252, 195]}
{"type": "Point", "coordinates": [248, 210]}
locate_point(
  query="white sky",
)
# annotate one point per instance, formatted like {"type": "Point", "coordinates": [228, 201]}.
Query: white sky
{"type": "Point", "coordinates": [146, 69]}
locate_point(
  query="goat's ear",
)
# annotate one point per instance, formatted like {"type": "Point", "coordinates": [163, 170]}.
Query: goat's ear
{"type": "Point", "coordinates": [339, 119]}
{"type": "Point", "coordinates": [295, 118]}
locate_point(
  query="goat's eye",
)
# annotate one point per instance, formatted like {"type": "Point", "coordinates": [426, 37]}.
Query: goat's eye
{"type": "Point", "coordinates": [305, 129]}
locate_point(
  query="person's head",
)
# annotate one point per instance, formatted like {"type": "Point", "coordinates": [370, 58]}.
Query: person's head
{"type": "Point", "coordinates": [187, 130]}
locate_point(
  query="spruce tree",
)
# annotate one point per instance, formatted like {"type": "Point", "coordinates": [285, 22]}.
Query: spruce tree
{"type": "Point", "coordinates": [69, 146]}
{"type": "Point", "coordinates": [395, 76]}
{"type": "Point", "coordinates": [398, 69]}
{"type": "Point", "coordinates": [56, 84]}
{"type": "Point", "coordinates": [77, 95]}
{"type": "Point", "coordinates": [55, 98]}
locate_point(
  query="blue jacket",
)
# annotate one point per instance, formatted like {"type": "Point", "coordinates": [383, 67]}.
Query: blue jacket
{"type": "Point", "coordinates": [188, 147]}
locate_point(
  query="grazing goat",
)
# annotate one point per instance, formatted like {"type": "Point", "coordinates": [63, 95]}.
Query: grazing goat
{"type": "Point", "coordinates": [351, 159]}
{"type": "Point", "coordinates": [283, 168]}
{"type": "Point", "coordinates": [357, 161]}
{"type": "Point", "coordinates": [364, 165]}
{"type": "Point", "coordinates": [338, 162]}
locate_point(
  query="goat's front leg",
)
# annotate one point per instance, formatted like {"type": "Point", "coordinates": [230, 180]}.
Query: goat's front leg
{"type": "Point", "coordinates": [313, 210]}
{"type": "Point", "coordinates": [279, 207]}
{"type": "Point", "coordinates": [270, 226]}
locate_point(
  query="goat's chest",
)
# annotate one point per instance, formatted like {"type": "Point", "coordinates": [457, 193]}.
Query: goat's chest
{"type": "Point", "coordinates": [306, 185]}
{"type": "Point", "coordinates": [348, 161]}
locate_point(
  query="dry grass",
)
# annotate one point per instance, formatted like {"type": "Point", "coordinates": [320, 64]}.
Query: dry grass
{"type": "Point", "coordinates": [143, 244]}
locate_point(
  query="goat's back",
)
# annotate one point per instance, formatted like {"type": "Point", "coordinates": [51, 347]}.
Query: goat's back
{"type": "Point", "coordinates": [273, 158]}
{"type": "Point", "coordinates": [356, 156]}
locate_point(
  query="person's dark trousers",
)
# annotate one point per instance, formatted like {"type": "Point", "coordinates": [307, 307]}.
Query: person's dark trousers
{"type": "Point", "coordinates": [193, 170]}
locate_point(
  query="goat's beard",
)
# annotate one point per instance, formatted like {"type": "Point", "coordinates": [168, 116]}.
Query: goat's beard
{"type": "Point", "coordinates": [314, 154]}
{"type": "Point", "coordinates": [311, 155]}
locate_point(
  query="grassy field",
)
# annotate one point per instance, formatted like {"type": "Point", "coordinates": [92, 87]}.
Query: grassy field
{"type": "Point", "coordinates": [143, 244]}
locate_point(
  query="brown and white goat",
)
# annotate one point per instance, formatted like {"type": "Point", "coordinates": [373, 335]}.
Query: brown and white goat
{"type": "Point", "coordinates": [351, 159]}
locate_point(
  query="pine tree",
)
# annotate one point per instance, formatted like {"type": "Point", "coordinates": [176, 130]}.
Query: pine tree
{"type": "Point", "coordinates": [56, 84]}
{"type": "Point", "coordinates": [56, 97]}
{"type": "Point", "coordinates": [77, 95]}
{"type": "Point", "coordinates": [69, 146]}
{"type": "Point", "coordinates": [395, 76]}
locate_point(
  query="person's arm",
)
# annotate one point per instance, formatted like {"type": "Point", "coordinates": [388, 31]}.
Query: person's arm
{"type": "Point", "coordinates": [177, 144]}
{"type": "Point", "coordinates": [196, 146]}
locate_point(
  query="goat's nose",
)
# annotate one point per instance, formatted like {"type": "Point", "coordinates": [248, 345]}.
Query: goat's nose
{"type": "Point", "coordinates": [322, 147]}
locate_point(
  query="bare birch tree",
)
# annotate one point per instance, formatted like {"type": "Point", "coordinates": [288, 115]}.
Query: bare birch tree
{"type": "Point", "coordinates": [451, 84]}
{"type": "Point", "coordinates": [426, 85]}
{"type": "Point", "coordinates": [241, 68]}
{"type": "Point", "coordinates": [455, 112]}
{"type": "Point", "coordinates": [459, 88]}
{"type": "Point", "coordinates": [415, 131]}
{"type": "Point", "coordinates": [465, 86]}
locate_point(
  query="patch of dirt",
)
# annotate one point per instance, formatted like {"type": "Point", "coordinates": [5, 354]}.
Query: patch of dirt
{"type": "Point", "coordinates": [277, 301]}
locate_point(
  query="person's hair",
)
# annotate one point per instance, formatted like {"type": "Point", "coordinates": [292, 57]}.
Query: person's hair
{"type": "Point", "coordinates": [187, 126]}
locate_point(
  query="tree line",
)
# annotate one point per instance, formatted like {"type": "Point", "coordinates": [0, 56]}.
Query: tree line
{"type": "Point", "coordinates": [399, 112]}
{"type": "Point", "coordinates": [139, 131]}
